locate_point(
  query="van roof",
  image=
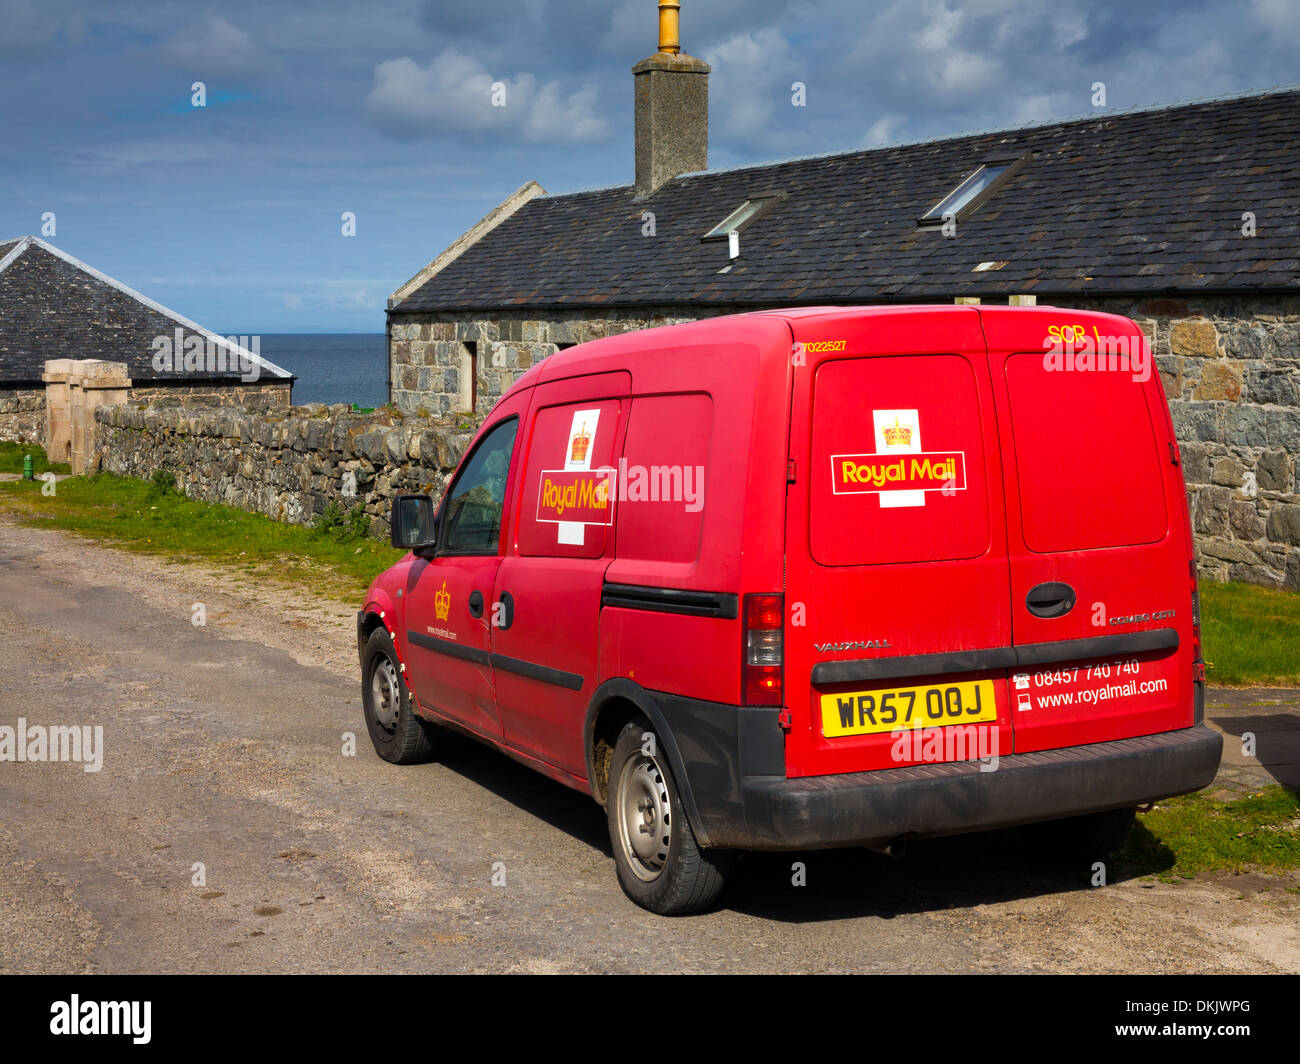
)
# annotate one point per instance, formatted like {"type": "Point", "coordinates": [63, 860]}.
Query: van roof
{"type": "Point", "coordinates": [593, 355]}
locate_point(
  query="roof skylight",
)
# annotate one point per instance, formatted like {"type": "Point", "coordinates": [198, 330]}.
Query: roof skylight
{"type": "Point", "coordinates": [974, 190]}
{"type": "Point", "coordinates": [742, 216]}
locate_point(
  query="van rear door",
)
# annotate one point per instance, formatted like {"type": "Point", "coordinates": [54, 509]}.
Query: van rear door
{"type": "Point", "coordinates": [1100, 582]}
{"type": "Point", "coordinates": [896, 556]}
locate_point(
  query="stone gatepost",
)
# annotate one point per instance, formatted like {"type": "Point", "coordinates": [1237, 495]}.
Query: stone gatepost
{"type": "Point", "coordinates": [78, 387]}
{"type": "Point", "coordinates": [58, 409]}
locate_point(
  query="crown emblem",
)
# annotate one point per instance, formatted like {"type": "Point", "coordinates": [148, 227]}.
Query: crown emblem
{"type": "Point", "coordinates": [442, 603]}
{"type": "Point", "coordinates": [580, 444]}
{"type": "Point", "coordinates": [897, 435]}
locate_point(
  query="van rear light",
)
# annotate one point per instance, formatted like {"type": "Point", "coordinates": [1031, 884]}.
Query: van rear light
{"type": "Point", "coordinates": [763, 650]}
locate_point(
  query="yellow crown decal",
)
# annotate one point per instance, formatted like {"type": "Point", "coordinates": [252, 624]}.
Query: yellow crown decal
{"type": "Point", "coordinates": [442, 603]}
{"type": "Point", "coordinates": [897, 435]}
{"type": "Point", "coordinates": [580, 444]}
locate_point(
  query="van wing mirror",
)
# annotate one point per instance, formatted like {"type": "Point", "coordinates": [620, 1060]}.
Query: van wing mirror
{"type": "Point", "coordinates": [413, 525]}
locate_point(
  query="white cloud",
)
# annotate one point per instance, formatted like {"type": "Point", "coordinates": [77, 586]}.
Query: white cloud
{"type": "Point", "coordinates": [938, 34]}
{"type": "Point", "coordinates": [28, 30]}
{"type": "Point", "coordinates": [1041, 107]}
{"type": "Point", "coordinates": [752, 73]}
{"type": "Point", "coordinates": [1280, 15]}
{"type": "Point", "coordinates": [214, 46]}
{"type": "Point", "coordinates": [161, 153]}
{"type": "Point", "coordinates": [454, 94]}
{"type": "Point", "coordinates": [950, 68]}
{"type": "Point", "coordinates": [885, 130]}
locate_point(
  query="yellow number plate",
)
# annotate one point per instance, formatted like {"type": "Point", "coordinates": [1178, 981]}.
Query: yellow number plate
{"type": "Point", "coordinates": [932, 706]}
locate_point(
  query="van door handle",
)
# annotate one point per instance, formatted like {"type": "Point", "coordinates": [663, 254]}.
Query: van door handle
{"type": "Point", "coordinates": [1052, 599]}
{"type": "Point", "coordinates": [476, 603]}
{"type": "Point", "coordinates": [507, 604]}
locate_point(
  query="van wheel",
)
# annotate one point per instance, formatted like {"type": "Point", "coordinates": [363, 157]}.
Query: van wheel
{"type": "Point", "coordinates": [660, 865]}
{"type": "Point", "coordinates": [398, 734]}
{"type": "Point", "coordinates": [1089, 837]}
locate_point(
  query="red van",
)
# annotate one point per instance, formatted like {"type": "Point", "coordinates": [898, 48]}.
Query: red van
{"type": "Point", "coordinates": [813, 578]}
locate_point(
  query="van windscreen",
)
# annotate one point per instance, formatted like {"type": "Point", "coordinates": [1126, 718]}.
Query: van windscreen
{"type": "Point", "coordinates": [1086, 453]}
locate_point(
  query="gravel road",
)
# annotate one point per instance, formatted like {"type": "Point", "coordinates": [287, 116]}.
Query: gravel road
{"type": "Point", "coordinates": [224, 747]}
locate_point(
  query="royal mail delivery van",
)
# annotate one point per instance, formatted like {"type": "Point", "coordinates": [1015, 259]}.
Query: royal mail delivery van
{"type": "Point", "coordinates": [813, 578]}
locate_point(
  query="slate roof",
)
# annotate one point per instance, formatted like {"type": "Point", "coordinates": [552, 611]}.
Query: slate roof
{"type": "Point", "coordinates": [1145, 202]}
{"type": "Point", "coordinates": [54, 306]}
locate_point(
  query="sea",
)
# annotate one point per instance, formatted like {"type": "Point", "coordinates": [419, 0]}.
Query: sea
{"type": "Point", "coordinates": [331, 367]}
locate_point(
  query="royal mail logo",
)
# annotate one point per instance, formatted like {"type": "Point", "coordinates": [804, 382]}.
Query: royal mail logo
{"type": "Point", "coordinates": [442, 603]}
{"type": "Point", "coordinates": [581, 441]}
{"type": "Point", "coordinates": [577, 497]}
{"type": "Point", "coordinates": [870, 474]}
{"type": "Point", "coordinates": [898, 434]}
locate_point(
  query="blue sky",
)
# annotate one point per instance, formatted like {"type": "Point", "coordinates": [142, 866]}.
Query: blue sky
{"type": "Point", "coordinates": [231, 213]}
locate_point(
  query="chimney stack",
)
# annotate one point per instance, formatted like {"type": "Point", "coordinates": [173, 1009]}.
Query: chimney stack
{"type": "Point", "coordinates": [672, 109]}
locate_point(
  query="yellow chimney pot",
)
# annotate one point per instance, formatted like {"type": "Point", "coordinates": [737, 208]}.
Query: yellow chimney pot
{"type": "Point", "coordinates": [670, 42]}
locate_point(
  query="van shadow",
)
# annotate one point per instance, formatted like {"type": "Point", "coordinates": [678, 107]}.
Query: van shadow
{"type": "Point", "coordinates": [1276, 741]}
{"type": "Point", "coordinates": [529, 791]}
{"type": "Point", "coordinates": [934, 875]}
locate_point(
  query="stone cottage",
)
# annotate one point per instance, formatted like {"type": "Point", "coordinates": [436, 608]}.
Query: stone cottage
{"type": "Point", "coordinates": [56, 309]}
{"type": "Point", "coordinates": [1185, 218]}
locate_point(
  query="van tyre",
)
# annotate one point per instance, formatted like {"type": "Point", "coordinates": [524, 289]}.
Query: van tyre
{"type": "Point", "coordinates": [660, 865]}
{"type": "Point", "coordinates": [398, 734]}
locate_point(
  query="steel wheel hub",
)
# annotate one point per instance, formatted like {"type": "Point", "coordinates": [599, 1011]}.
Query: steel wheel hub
{"type": "Point", "coordinates": [385, 694]}
{"type": "Point", "coordinates": [644, 817]}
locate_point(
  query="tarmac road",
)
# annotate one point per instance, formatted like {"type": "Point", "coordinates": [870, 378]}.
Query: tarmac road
{"type": "Point", "coordinates": [224, 747]}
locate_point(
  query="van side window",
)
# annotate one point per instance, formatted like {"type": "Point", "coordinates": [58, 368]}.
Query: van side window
{"type": "Point", "coordinates": [475, 501]}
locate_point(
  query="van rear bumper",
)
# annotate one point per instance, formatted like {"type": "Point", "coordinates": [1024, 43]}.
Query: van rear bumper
{"type": "Point", "coordinates": [871, 808]}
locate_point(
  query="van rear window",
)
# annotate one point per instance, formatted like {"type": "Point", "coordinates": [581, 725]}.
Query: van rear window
{"type": "Point", "coordinates": [1088, 459]}
{"type": "Point", "coordinates": [898, 461]}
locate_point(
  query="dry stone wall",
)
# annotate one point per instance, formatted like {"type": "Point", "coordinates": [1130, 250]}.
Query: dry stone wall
{"type": "Point", "coordinates": [22, 415]}
{"type": "Point", "coordinates": [288, 463]}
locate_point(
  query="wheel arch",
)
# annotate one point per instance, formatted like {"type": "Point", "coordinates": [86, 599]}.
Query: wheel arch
{"type": "Point", "coordinates": [612, 706]}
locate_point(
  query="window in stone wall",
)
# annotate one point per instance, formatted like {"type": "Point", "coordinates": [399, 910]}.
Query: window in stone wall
{"type": "Point", "coordinates": [466, 398]}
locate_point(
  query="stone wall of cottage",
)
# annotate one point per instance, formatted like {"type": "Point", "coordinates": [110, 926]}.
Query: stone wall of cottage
{"type": "Point", "coordinates": [1231, 371]}
{"type": "Point", "coordinates": [1230, 368]}
{"type": "Point", "coordinates": [288, 463]}
{"type": "Point", "coordinates": [22, 415]}
{"type": "Point", "coordinates": [433, 357]}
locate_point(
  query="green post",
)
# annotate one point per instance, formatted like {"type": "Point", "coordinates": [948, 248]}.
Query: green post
{"type": "Point", "coordinates": [29, 467]}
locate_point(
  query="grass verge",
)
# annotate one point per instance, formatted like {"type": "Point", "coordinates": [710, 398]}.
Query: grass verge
{"type": "Point", "coordinates": [12, 454]}
{"type": "Point", "coordinates": [1195, 833]}
{"type": "Point", "coordinates": [334, 558]}
{"type": "Point", "coordinates": [1251, 635]}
